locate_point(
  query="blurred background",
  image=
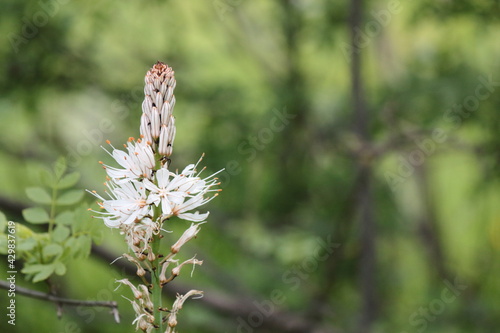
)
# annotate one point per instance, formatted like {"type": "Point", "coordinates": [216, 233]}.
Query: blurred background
{"type": "Point", "coordinates": [360, 141]}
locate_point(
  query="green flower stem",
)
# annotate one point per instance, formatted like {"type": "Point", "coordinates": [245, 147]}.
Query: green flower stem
{"type": "Point", "coordinates": [155, 274]}
{"type": "Point", "coordinates": [156, 289]}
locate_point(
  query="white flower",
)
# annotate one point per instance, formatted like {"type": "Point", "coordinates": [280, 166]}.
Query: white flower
{"type": "Point", "coordinates": [127, 204]}
{"type": "Point", "coordinates": [180, 193]}
{"type": "Point", "coordinates": [138, 162]}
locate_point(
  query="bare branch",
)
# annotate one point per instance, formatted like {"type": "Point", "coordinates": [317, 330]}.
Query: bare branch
{"type": "Point", "coordinates": [60, 300]}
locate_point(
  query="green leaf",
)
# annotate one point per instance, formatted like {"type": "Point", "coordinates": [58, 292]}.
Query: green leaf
{"type": "Point", "coordinates": [23, 231]}
{"type": "Point", "coordinates": [70, 244]}
{"type": "Point", "coordinates": [60, 268]}
{"type": "Point", "coordinates": [32, 269]}
{"type": "Point", "coordinates": [36, 215]}
{"type": "Point", "coordinates": [44, 273]}
{"type": "Point", "coordinates": [65, 218]}
{"type": "Point", "coordinates": [42, 237]}
{"type": "Point", "coordinates": [68, 180]}
{"type": "Point", "coordinates": [41, 272]}
{"type": "Point", "coordinates": [47, 178]}
{"type": "Point", "coordinates": [60, 167]}
{"type": "Point", "coordinates": [82, 246]}
{"type": "Point", "coordinates": [70, 197]}
{"type": "Point", "coordinates": [60, 233]}
{"type": "Point", "coordinates": [52, 250]}
{"type": "Point", "coordinates": [38, 195]}
{"type": "Point", "coordinates": [25, 245]}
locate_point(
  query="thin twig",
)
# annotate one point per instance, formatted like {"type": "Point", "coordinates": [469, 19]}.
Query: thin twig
{"type": "Point", "coordinates": [59, 300]}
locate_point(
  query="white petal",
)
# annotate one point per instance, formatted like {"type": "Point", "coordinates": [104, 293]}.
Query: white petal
{"type": "Point", "coordinates": [162, 178]}
{"type": "Point", "coordinates": [121, 157]}
{"type": "Point", "coordinates": [166, 208]}
{"type": "Point", "coordinates": [111, 223]}
{"type": "Point", "coordinates": [195, 217]}
{"type": "Point", "coordinates": [150, 186]}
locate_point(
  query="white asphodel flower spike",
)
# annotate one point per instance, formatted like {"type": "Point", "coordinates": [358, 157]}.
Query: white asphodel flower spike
{"type": "Point", "coordinates": [127, 204]}
{"type": "Point", "coordinates": [138, 162]}
{"type": "Point", "coordinates": [142, 193]}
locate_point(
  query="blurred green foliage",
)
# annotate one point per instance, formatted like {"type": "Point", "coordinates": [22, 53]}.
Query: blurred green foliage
{"type": "Point", "coordinates": [264, 89]}
{"type": "Point", "coordinates": [70, 230]}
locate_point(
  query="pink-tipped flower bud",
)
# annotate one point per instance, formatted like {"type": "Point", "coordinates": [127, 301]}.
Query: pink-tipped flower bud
{"type": "Point", "coordinates": [157, 121]}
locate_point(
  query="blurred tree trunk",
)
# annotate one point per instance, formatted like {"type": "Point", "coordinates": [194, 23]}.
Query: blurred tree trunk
{"type": "Point", "coordinates": [428, 228]}
{"type": "Point", "coordinates": [364, 203]}
{"type": "Point", "coordinates": [294, 144]}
